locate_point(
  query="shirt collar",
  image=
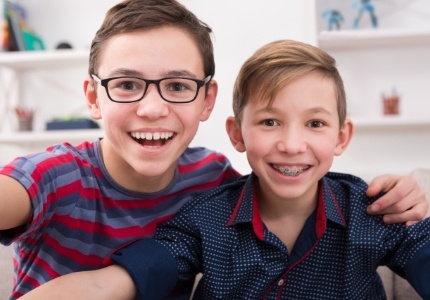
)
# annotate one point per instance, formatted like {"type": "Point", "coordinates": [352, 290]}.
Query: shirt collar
{"type": "Point", "coordinates": [246, 210]}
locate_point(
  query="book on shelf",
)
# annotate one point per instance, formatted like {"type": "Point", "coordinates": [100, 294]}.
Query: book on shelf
{"type": "Point", "coordinates": [4, 32]}
{"type": "Point", "coordinates": [16, 34]}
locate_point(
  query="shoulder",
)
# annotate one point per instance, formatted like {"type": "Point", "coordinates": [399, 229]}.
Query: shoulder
{"type": "Point", "coordinates": [346, 182]}
{"type": "Point", "coordinates": [225, 196]}
{"type": "Point", "coordinates": [53, 155]}
{"type": "Point", "coordinates": [82, 149]}
{"type": "Point", "coordinates": [201, 155]}
{"type": "Point", "coordinates": [55, 160]}
{"type": "Point", "coordinates": [348, 190]}
{"type": "Point", "coordinates": [206, 163]}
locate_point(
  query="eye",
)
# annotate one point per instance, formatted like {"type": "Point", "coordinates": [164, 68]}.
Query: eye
{"type": "Point", "coordinates": [270, 122]}
{"type": "Point", "coordinates": [178, 85]}
{"type": "Point", "coordinates": [127, 84]}
{"type": "Point", "coordinates": [316, 124]}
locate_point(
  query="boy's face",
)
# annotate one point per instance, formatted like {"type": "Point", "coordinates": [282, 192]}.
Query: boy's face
{"type": "Point", "coordinates": [165, 129]}
{"type": "Point", "coordinates": [290, 145]}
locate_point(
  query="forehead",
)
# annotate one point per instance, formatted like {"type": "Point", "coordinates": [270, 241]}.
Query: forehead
{"type": "Point", "coordinates": [152, 52]}
{"type": "Point", "coordinates": [305, 93]}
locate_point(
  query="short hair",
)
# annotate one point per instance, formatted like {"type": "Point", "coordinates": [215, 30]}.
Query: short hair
{"type": "Point", "coordinates": [134, 15]}
{"type": "Point", "coordinates": [278, 63]}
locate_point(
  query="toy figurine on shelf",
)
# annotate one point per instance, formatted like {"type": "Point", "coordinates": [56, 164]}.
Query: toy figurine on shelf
{"type": "Point", "coordinates": [365, 6]}
{"type": "Point", "coordinates": [333, 17]}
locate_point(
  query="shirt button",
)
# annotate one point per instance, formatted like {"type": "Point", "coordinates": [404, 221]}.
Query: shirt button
{"type": "Point", "coordinates": [280, 282]}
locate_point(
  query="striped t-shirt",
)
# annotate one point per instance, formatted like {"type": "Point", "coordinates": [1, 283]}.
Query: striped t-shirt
{"type": "Point", "coordinates": [81, 215]}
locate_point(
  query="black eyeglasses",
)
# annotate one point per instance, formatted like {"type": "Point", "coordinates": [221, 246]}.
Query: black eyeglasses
{"type": "Point", "coordinates": [127, 89]}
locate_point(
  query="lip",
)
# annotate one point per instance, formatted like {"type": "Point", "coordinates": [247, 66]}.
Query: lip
{"type": "Point", "coordinates": [290, 170]}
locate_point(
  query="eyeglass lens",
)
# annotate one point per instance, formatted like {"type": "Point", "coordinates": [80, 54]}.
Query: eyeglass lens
{"type": "Point", "coordinates": [172, 89]}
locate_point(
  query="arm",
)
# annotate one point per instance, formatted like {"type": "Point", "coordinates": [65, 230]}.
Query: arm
{"type": "Point", "coordinates": [112, 282]}
{"type": "Point", "coordinates": [417, 271]}
{"type": "Point", "coordinates": [15, 206]}
{"type": "Point", "coordinates": [404, 200]}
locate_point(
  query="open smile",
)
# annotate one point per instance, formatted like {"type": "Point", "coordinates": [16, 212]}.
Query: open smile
{"type": "Point", "coordinates": [152, 139]}
{"type": "Point", "coordinates": [291, 171]}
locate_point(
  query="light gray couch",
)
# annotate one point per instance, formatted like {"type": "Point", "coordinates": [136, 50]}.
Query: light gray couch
{"type": "Point", "coordinates": [396, 287]}
{"type": "Point", "coordinates": [5, 272]}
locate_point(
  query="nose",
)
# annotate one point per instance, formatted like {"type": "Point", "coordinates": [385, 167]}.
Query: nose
{"type": "Point", "coordinates": [292, 140]}
{"type": "Point", "coordinates": [152, 106]}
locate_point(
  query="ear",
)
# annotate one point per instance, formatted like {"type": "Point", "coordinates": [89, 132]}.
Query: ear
{"type": "Point", "coordinates": [345, 136]}
{"type": "Point", "coordinates": [92, 100]}
{"type": "Point", "coordinates": [235, 134]}
{"type": "Point", "coordinates": [209, 102]}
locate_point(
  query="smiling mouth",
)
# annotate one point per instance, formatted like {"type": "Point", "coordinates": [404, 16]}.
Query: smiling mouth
{"type": "Point", "coordinates": [152, 139]}
{"type": "Point", "coordinates": [291, 171]}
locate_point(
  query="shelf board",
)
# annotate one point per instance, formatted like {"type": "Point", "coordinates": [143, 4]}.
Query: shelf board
{"type": "Point", "coordinates": [364, 38]}
{"type": "Point", "coordinates": [51, 137]}
{"type": "Point", "coordinates": [24, 60]}
{"type": "Point", "coordinates": [389, 122]}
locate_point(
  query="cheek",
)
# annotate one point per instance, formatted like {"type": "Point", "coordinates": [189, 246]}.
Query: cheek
{"type": "Point", "coordinates": [115, 113]}
{"type": "Point", "coordinates": [325, 147]}
{"type": "Point", "coordinates": [258, 143]}
{"type": "Point", "coordinates": [189, 117]}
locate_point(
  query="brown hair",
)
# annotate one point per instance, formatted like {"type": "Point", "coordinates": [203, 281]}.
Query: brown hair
{"type": "Point", "coordinates": [278, 63]}
{"type": "Point", "coordinates": [133, 15]}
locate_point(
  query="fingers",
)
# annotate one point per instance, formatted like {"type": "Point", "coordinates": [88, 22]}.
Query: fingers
{"type": "Point", "coordinates": [394, 202]}
{"type": "Point", "coordinates": [408, 217]}
{"type": "Point", "coordinates": [385, 183]}
{"type": "Point", "coordinates": [404, 201]}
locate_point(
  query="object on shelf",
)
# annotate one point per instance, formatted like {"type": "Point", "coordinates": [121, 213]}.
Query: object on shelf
{"type": "Point", "coordinates": [333, 18]}
{"type": "Point", "coordinates": [32, 41]}
{"type": "Point", "coordinates": [390, 103]}
{"type": "Point", "coordinates": [73, 123]}
{"type": "Point", "coordinates": [17, 35]}
{"type": "Point", "coordinates": [25, 118]}
{"type": "Point", "coordinates": [64, 45]}
{"type": "Point", "coordinates": [365, 6]}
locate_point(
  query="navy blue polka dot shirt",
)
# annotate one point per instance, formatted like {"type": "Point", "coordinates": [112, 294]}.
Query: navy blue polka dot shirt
{"type": "Point", "coordinates": [221, 235]}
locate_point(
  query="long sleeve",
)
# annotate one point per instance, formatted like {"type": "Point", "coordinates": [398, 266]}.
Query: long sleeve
{"type": "Point", "coordinates": [152, 268]}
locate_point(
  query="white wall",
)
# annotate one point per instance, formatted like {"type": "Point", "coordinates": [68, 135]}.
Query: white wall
{"type": "Point", "coordinates": [240, 27]}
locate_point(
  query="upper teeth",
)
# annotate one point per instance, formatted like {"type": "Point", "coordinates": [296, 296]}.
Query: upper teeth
{"type": "Point", "coordinates": [152, 135]}
{"type": "Point", "coordinates": [291, 171]}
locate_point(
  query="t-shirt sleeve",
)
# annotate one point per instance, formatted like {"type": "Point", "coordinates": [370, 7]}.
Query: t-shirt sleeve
{"type": "Point", "coordinates": [46, 180]}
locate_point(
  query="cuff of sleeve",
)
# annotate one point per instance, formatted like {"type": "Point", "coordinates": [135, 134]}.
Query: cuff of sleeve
{"type": "Point", "coordinates": [152, 267]}
{"type": "Point", "coordinates": [417, 271]}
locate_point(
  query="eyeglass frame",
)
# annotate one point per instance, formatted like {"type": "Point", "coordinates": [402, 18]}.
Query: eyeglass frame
{"type": "Point", "coordinates": [104, 83]}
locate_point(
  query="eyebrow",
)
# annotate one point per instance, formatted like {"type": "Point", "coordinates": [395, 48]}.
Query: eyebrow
{"type": "Point", "coordinates": [135, 73]}
{"type": "Point", "coordinates": [314, 110]}
{"type": "Point", "coordinates": [319, 110]}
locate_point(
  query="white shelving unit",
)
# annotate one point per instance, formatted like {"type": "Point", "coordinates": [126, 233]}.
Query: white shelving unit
{"type": "Point", "coordinates": [375, 61]}
{"type": "Point", "coordinates": [371, 62]}
{"type": "Point", "coordinates": [40, 69]}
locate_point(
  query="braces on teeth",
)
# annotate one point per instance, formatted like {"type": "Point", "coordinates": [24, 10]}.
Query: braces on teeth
{"type": "Point", "coordinates": [290, 171]}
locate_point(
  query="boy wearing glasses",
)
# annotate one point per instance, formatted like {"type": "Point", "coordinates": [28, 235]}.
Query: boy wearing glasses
{"type": "Point", "coordinates": [150, 82]}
